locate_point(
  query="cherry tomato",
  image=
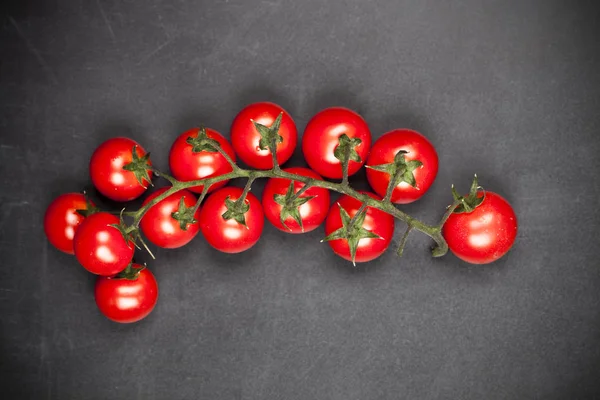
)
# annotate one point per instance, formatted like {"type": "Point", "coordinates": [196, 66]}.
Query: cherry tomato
{"type": "Point", "coordinates": [417, 147]}
{"type": "Point", "coordinates": [321, 137]}
{"type": "Point", "coordinates": [160, 225]}
{"type": "Point", "coordinates": [228, 235]}
{"type": "Point", "coordinates": [312, 213]}
{"type": "Point", "coordinates": [187, 165]}
{"type": "Point", "coordinates": [108, 169]}
{"type": "Point", "coordinates": [485, 234]}
{"type": "Point", "coordinates": [245, 138]}
{"type": "Point", "coordinates": [62, 220]}
{"type": "Point", "coordinates": [376, 221]}
{"type": "Point", "coordinates": [127, 300]}
{"type": "Point", "coordinates": [101, 248]}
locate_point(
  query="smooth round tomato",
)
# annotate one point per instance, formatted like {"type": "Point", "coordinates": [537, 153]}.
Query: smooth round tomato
{"type": "Point", "coordinates": [160, 225]}
{"type": "Point", "coordinates": [376, 221]}
{"type": "Point", "coordinates": [485, 234]}
{"type": "Point", "coordinates": [187, 165]}
{"type": "Point", "coordinates": [127, 300]}
{"type": "Point", "coordinates": [312, 213]}
{"type": "Point", "coordinates": [108, 169]}
{"type": "Point", "coordinates": [321, 137]}
{"type": "Point", "coordinates": [228, 235]}
{"type": "Point", "coordinates": [101, 248]}
{"type": "Point", "coordinates": [246, 139]}
{"type": "Point", "coordinates": [417, 147]}
{"type": "Point", "coordinates": [62, 220]}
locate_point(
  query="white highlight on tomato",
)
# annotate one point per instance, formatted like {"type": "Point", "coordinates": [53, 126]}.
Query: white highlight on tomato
{"type": "Point", "coordinates": [232, 233]}
{"type": "Point", "coordinates": [117, 179]}
{"type": "Point", "coordinates": [167, 227]}
{"type": "Point", "coordinates": [480, 240]}
{"type": "Point", "coordinates": [69, 232]}
{"type": "Point", "coordinates": [127, 302]}
{"type": "Point", "coordinates": [205, 170]}
{"type": "Point", "coordinates": [105, 254]}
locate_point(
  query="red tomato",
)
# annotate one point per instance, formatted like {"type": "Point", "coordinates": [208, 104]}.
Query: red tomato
{"type": "Point", "coordinates": [376, 221]}
{"type": "Point", "coordinates": [485, 234]}
{"type": "Point", "coordinates": [187, 165]}
{"type": "Point", "coordinates": [62, 220]}
{"type": "Point", "coordinates": [321, 137]}
{"type": "Point", "coordinates": [127, 300]}
{"type": "Point", "coordinates": [159, 224]}
{"type": "Point", "coordinates": [228, 235]}
{"type": "Point", "coordinates": [101, 248]}
{"type": "Point", "coordinates": [245, 138]}
{"type": "Point", "coordinates": [418, 148]}
{"type": "Point", "coordinates": [312, 213]}
{"type": "Point", "coordinates": [108, 173]}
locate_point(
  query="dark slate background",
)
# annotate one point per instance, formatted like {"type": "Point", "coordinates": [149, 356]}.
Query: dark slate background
{"type": "Point", "coordinates": [509, 90]}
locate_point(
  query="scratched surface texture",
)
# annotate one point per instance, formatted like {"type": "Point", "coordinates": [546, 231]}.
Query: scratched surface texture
{"type": "Point", "coordinates": [509, 90]}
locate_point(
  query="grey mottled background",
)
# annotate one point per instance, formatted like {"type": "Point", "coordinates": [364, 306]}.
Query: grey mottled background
{"type": "Point", "coordinates": [507, 89]}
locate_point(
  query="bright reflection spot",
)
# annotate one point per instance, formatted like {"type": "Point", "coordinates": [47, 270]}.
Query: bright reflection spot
{"type": "Point", "coordinates": [72, 217]}
{"type": "Point", "coordinates": [127, 290]}
{"type": "Point", "coordinates": [205, 158]}
{"type": "Point", "coordinates": [329, 156]}
{"type": "Point", "coordinates": [117, 163]}
{"type": "Point", "coordinates": [69, 232]}
{"type": "Point", "coordinates": [482, 221]}
{"type": "Point", "coordinates": [104, 254]}
{"type": "Point", "coordinates": [232, 233]}
{"type": "Point", "coordinates": [127, 302]}
{"type": "Point", "coordinates": [117, 178]}
{"type": "Point", "coordinates": [205, 170]}
{"type": "Point", "coordinates": [167, 227]}
{"type": "Point", "coordinates": [480, 240]}
{"type": "Point", "coordinates": [102, 236]}
{"type": "Point", "coordinates": [305, 210]}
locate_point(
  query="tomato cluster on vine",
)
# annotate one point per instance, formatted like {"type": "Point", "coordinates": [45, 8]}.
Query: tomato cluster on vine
{"type": "Point", "coordinates": [402, 164]}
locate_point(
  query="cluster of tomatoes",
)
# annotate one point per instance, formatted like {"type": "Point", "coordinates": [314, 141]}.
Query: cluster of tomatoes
{"type": "Point", "coordinates": [401, 167]}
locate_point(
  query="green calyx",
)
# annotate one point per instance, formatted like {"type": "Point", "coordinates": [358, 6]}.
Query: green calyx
{"type": "Point", "coordinates": [140, 167]}
{"type": "Point", "coordinates": [184, 215]}
{"type": "Point", "coordinates": [291, 206]}
{"type": "Point", "coordinates": [236, 210]}
{"type": "Point", "coordinates": [468, 203]}
{"type": "Point", "coordinates": [269, 135]}
{"type": "Point", "coordinates": [352, 230]}
{"type": "Point", "coordinates": [202, 142]}
{"type": "Point", "coordinates": [346, 149]}
{"type": "Point", "coordinates": [400, 170]}
{"type": "Point", "coordinates": [89, 207]}
{"type": "Point", "coordinates": [130, 273]}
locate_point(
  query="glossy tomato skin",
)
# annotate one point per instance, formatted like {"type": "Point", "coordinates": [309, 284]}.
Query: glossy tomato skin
{"type": "Point", "coordinates": [229, 236]}
{"type": "Point", "coordinates": [245, 138]}
{"type": "Point", "coordinates": [101, 248]}
{"type": "Point", "coordinates": [313, 212]}
{"type": "Point", "coordinates": [161, 228]}
{"type": "Point", "coordinates": [62, 220]}
{"type": "Point", "coordinates": [376, 221]}
{"type": "Point", "coordinates": [321, 137]}
{"type": "Point", "coordinates": [484, 235]}
{"type": "Point", "coordinates": [186, 165]}
{"type": "Point", "coordinates": [108, 175]}
{"type": "Point", "coordinates": [124, 300]}
{"type": "Point", "coordinates": [419, 148]}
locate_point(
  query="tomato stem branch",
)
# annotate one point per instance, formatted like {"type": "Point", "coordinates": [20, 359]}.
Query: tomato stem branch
{"type": "Point", "coordinates": [402, 243]}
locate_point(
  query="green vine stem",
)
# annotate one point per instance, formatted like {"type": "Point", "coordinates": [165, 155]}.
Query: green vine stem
{"type": "Point", "coordinates": [433, 231]}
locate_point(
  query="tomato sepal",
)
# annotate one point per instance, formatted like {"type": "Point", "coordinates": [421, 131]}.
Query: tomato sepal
{"type": "Point", "coordinates": [291, 206]}
{"type": "Point", "coordinates": [471, 201]}
{"type": "Point", "coordinates": [184, 215]}
{"type": "Point", "coordinates": [236, 210]}
{"type": "Point", "coordinates": [202, 142]}
{"type": "Point", "coordinates": [346, 149]}
{"type": "Point", "coordinates": [90, 208]}
{"type": "Point", "coordinates": [400, 170]}
{"type": "Point", "coordinates": [139, 166]}
{"type": "Point", "coordinates": [130, 273]}
{"type": "Point", "coordinates": [352, 231]}
{"type": "Point", "coordinates": [269, 135]}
